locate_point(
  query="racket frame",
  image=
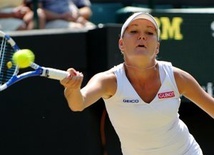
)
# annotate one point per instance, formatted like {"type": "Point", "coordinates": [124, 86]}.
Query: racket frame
{"type": "Point", "coordinates": [38, 70]}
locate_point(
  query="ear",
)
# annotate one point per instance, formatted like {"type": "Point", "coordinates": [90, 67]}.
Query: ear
{"type": "Point", "coordinates": [121, 45]}
{"type": "Point", "coordinates": [157, 48]}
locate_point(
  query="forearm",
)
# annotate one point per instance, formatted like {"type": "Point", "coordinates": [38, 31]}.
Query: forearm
{"type": "Point", "coordinates": [6, 15]}
{"type": "Point", "coordinates": [75, 99]}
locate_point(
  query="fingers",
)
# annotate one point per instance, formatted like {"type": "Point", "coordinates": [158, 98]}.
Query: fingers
{"type": "Point", "coordinates": [72, 72]}
{"type": "Point", "coordinates": [74, 80]}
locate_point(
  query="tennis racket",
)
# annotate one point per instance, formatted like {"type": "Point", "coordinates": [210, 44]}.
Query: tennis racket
{"type": "Point", "coordinates": [9, 71]}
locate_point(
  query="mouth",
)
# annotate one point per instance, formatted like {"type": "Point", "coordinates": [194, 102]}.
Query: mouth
{"type": "Point", "coordinates": [141, 45]}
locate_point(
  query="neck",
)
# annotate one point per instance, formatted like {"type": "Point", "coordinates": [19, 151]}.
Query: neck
{"type": "Point", "coordinates": [140, 68]}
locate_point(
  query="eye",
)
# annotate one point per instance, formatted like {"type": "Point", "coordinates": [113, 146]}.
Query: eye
{"type": "Point", "coordinates": [150, 33]}
{"type": "Point", "coordinates": [133, 31]}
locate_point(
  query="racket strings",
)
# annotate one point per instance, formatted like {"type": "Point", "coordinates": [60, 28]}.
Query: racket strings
{"type": "Point", "coordinates": [6, 66]}
{"type": "Point", "coordinates": [3, 44]}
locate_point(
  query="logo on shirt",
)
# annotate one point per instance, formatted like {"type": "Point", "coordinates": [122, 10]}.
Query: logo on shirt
{"type": "Point", "coordinates": [168, 94]}
{"type": "Point", "coordinates": [130, 100]}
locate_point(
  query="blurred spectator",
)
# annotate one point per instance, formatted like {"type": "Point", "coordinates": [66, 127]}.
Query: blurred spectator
{"type": "Point", "coordinates": [16, 15]}
{"type": "Point", "coordinates": [67, 13]}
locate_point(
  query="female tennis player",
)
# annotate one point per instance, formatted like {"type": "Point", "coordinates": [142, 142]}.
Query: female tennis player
{"type": "Point", "coordinates": [142, 94]}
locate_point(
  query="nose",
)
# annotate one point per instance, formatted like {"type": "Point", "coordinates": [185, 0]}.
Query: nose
{"type": "Point", "coordinates": [141, 37]}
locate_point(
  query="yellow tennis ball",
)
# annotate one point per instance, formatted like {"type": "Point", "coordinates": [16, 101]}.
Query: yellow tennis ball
{"type": "Point", "coordinates": [23, 58]}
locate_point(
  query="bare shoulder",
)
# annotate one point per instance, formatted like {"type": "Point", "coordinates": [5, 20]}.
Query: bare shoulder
{"type": "Point", "coordinates": [184, 80]}
{"type": "Point", "coordinates": [181, 75]}
{"type": "Point", "coordinates": [106, 76]}
{"type": "Point", "coordinates": [105, 81]}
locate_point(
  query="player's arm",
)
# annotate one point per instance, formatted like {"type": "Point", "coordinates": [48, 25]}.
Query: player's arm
{"type": "Point", "coordinates": [191, 89]}
{"type": "Point", "coordinates": [102, 85]}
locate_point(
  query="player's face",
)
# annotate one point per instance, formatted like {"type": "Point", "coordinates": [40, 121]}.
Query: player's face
{"type": "Point", "coordinates": [140, 40]}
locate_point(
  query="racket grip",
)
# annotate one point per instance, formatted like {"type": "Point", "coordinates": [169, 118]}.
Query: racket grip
{"type": "Point", "coordinates": [55, 74]}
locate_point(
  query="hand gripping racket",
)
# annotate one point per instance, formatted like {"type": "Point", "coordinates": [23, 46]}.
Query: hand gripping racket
{"type": "Point", "coordinates": [9, 71]}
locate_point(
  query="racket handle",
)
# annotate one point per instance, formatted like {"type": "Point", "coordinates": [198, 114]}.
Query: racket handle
{"type": "Point", "coordinates": [55, 74]}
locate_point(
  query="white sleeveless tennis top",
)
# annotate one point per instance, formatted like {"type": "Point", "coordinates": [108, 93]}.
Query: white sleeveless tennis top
{"type": "Point", "coordinates": [154, 128]}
